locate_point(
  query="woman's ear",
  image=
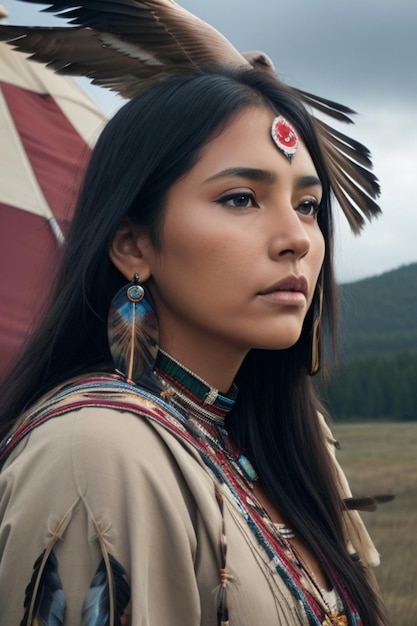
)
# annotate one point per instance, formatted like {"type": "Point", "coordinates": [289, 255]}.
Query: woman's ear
{"type": "Point", "coordinates": [129, 251]}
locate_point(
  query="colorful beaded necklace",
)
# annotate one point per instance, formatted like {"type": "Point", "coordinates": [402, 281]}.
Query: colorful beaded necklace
{"type": "Point", "coordinates": [205, 409]}
{"type": "Point", "coordinates": [205, 406]}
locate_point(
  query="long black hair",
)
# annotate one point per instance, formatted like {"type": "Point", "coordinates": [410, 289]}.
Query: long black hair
{"type": "Point", "coordinates": [150, 143]}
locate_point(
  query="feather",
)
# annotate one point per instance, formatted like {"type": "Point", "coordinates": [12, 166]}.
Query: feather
{"type": "Point", "coordinates": [348, 161]}
{"type": "Point", "coordinates": [360, 153]}
{"type": "Point", "coordinates": [354, 186]}
{"type": "Point", "coordinates": [329, 107]}
{"type": "Point", "coordinates": [44, 597]}
{"type": "Point", "coordinates": [367, 503]}
{"type": "Point", "coordinates": [125, 44]}
{"type": "Point", "coordinates": [108, 596]}
{"type": "Point", "coordinates": [133, 335]}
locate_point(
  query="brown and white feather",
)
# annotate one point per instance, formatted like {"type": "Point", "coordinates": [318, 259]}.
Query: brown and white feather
{"type": "Point", "coordinates": [124, 44]}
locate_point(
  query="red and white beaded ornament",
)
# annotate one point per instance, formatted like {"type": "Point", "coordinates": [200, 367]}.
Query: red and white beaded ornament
{"type": "Point", "coordinates": [285, 137]}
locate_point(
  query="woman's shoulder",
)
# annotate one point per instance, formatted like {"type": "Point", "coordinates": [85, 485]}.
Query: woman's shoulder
{"type": "Point", "coordinates": [99, 427]}
{"type": "Point", "coordinates": [96, 410]}
{"type": "Point", "coordinates": [122, 430]}
{"type": "Point", "coordinates": [99, 453]}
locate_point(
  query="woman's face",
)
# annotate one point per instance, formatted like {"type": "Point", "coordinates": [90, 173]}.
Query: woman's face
{"type": "Point", "coordinates": [241, 248]}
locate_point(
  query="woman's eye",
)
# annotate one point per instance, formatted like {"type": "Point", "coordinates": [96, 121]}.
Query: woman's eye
{"type": "Point", "coordinates": [309, 208]}
{"type": "Point", "coordinates": [238, 200]}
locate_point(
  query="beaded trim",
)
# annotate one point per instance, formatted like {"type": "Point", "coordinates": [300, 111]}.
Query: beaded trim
{"type": "Point", "coordinates": [112, 392]}
{"type": "Point", "coordinates": [284, 531]}
{"type": "Point", "coordinates": [193, 390]}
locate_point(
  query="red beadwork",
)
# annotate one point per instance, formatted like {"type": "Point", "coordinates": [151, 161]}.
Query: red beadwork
{"type": "Point", "coordinates": [285, 137]}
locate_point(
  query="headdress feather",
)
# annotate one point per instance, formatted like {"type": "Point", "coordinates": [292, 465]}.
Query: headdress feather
{"type": "Point", "coordinates": [124, 44]}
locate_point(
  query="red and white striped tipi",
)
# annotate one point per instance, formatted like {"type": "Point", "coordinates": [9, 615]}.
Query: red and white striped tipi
{"type": "Point", "coordinates": [47, 128]}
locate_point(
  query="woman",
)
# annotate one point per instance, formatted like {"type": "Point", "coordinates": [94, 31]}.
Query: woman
{"type": "Point", "coordinates": [158, 494]}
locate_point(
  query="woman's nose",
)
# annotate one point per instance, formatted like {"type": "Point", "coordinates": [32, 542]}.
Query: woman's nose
{"type": "Point", "coordinates": [289, 235]}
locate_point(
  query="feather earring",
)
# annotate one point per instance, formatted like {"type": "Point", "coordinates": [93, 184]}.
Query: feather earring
{"type": "Point", "coordinates": [316, 334]}
{"type": "Point", "coordinates": [133, 331]}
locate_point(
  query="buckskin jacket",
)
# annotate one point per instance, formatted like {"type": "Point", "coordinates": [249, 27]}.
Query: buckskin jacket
{"type": "Point", "coordinates": [107, 516]}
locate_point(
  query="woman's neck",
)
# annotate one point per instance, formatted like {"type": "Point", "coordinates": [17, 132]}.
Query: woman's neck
{"type": "Point", "coordinates": [215, 367]}
{"type": "Point", "coordinates": [192, 392]}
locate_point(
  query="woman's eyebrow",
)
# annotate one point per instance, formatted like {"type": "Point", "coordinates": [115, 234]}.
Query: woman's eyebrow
{"type": "Point", "coordinates": [307, 181]}
{"type": "Point", "coordinates": [249, 173]}
{"type": "Point", "coordinates": [263, 176]}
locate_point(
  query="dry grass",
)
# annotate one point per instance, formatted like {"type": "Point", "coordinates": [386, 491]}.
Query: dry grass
{"type": "Point", "coordinates": [378, 458]}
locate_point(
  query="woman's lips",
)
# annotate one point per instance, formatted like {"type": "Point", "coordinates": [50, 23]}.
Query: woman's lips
{"type": "Point", "coordinates": [291, 290]}
{"type": "Point", "coordinates": [291, 298]}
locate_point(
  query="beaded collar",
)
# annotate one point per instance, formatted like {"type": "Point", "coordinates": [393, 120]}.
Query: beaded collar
{"type": "Point", "coordinates": [209, 404]}
{"type": "Point", "coordinates": [205, 407]}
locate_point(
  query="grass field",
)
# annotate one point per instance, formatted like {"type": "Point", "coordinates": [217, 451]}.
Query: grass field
{"type": "Point", "coordinates": [378, 458]}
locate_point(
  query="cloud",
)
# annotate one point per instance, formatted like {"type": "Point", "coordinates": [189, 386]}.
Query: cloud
{"type": "Point", "coordinates": [389, 241]}
{"type": "Point", "coordinates": [355, 47]}
{"type": "Point", "coordinates": [360, 53]}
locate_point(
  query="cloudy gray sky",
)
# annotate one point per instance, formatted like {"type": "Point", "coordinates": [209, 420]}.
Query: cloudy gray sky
{"type": "Point", "coordinates": [361, 53]}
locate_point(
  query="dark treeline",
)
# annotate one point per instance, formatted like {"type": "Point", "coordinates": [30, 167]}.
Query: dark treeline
{"type": "Point", "coordinates": [377, 373]}
{"type": "Point", "coordinates": [373, 388]}
{"type": "Point", "coordinates": [359, 344]}
{"type": "Point", "coordinates": [378, 314]}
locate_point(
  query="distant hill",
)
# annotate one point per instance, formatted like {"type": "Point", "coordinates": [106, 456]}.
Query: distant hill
{"type": "Point", "coordinates": [379, 314]}
{"type": "Point", "coordinates": [376, 375]}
